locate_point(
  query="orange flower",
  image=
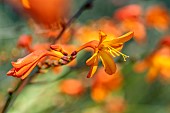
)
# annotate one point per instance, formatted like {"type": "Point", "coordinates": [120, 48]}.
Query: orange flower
{"type": "Point", "coordinates": [104, 49]}
{"type": "Point", "coordinates": [103, 84]}
{"type": "Point", "coordinates": [23, 67]}
{"type": "Point", "coordinates": [158, 17]}
{"type": "Point", "coordinates": [158, 62]}
{"type": "Point", "coordinates": [72, 87]}
{"type": "Point", "coordinates": [132, 11]}
{"type": "Point", "coordinates": [48, 13]}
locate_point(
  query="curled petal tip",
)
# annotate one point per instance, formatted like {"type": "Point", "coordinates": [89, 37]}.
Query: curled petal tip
{"type": "Point", "coordinates": [13, 63]}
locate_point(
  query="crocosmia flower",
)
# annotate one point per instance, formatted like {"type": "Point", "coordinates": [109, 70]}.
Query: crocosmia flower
{"type": "Point", "coordinates": [23, 67]}
{"type": "Point", "coordinates": [158, 63]}
{"type": "Point", "coordinates": [158, 17]}
{"type": "Point", "coordinates": [105, 49]}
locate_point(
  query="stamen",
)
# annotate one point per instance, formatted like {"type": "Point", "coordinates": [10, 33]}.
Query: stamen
{"type": "Point", "coordinates": [113, 52]}
{"type": "Point", "coordinates": [118, 53]}
{"type": "Point", "coordinates": [110, 51]}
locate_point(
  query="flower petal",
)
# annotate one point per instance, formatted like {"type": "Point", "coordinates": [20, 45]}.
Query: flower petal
{"type": "Point", "coordinates": [91, 60]}
{"type": "Point", "coordinates": [93, 68]}
{"type": "Point", "coordinates": [152, 74]}
{"type": "Point", "coordinates": [20, 72]}
{"type": "Point", "coordinates": [122, 39]}
{"type": "Point", "coordinates": [36, 55]}
{"type": "Point", "coordinates": [26, 68]}
{"type": "Point", "coordinates": [118, 46]}
{"type": "Point", "coordinates": [29, 71]}
{"type": "Point", "coordinates": [26, 3]}
{"type": "Point", "coordinates": [92, 44]}
{"type": "Point", "coordinates": [102, 37]}
{"type": "Point", "coordinates": [108, 62]}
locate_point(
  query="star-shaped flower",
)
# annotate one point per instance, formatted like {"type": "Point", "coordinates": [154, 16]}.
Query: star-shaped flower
{"type": "Point", "coordinates": [105, 49]}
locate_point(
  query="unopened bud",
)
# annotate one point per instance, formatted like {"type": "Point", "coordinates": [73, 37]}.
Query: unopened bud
{"type": "Point", "coordinates": [62, 62]}
{"type": "Point", "coordinates": [74, 53]}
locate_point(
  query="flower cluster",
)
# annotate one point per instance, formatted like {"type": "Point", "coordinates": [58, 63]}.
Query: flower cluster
{"type": "Point", "coordinates": [105, 48]}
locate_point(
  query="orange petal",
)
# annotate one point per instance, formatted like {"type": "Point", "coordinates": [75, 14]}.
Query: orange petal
{"type": "Point", "coordinates": [36, 55]}
{"type": "Point", "coordinates": [26, 3]}
{"type": "Point", "coordinates": [24, 69]}
{"type": "Point", "coordinates": [93, 68]}
{"type": "Point", "coordinates": [11, 72]}
{"type": "Point", "coordinates": [21, 72]}
{"type": "Point", "coordinates": [122, 39]}
{"type": "Point", "coordinates": [152, 74]}
{"type": "Point", "coordinates": [92, 44]}
{"type": "Point", "coordinates": [91, 60]}
{"type": "Point", "coordinates": [29, 71]}
{"type": "Point", "coordinates": [117, 46]}
{"type": "Point", "coordinates": [108, 62]}
{"type": "Point", "coordinates": [102, 36]}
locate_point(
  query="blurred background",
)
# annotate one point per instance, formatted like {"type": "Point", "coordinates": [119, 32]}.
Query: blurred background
{"type": "Point", "coordinates": [140, 85]}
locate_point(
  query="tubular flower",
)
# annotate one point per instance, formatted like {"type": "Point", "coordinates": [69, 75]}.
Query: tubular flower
{"type": "Point", "coordinates": [23, 67]}
{"type": "Point", "coordinates": [104, 49]}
